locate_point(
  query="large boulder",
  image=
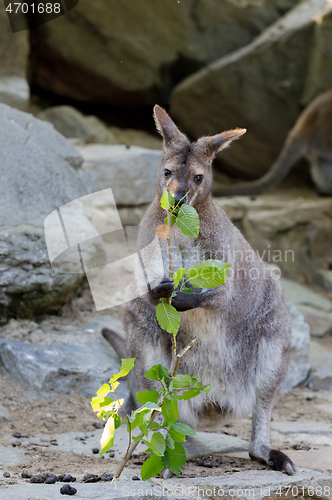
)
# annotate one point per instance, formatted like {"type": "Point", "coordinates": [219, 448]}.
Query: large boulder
{"type": "Point", "coordinates": [39, 172]}
{"type": "Point", "coordinates": [14, 53]}
{"type": "Point", "coordinates": [298, 365]}
{"type": "Point", "coordinates": [261, 87]}
{"type": "Point", "coordinates": [131, 172]}
{"type": "Point", "coordinates": [132, 52]}
{"type": "Point", "coordinates": [72, 124]}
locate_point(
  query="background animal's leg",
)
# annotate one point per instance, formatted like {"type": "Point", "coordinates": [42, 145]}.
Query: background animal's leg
{"type": "Point", "coordinates": [260, 447]}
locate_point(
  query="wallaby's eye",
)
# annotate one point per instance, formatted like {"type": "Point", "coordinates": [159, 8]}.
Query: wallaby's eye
{"type": "Point", "coordinates": [199, 178]}
{"type": "Point", "coordinates": [167, 172]}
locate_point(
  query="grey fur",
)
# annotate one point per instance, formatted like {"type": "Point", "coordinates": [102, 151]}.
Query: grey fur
{"type": "Point", "coordinates": [243, 327]}
{"type": "Point", "coordinates": [310, 138]}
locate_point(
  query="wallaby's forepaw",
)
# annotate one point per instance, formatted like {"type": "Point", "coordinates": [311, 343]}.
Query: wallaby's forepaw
{"type": "Point", "coordinates": [164, 289]}
{"type": "Point", "coordinates": [279, 461]}
{"type": "Point", "coordinates": [185, 301]}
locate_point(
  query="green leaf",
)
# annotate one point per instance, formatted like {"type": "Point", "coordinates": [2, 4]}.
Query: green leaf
{"type": "Point", "coordinates": [208, 274]}
{"type": "Point", "coordinates": [207, 388]}
{"type": "Point", "coordinates": [178, 275]}
{"type": "Point", "coordinates": [188, 220]}
{"type": "Point", "coordinates": [157, 371]}
{"type": "Point", "coordinates": [158, 443]}
{"type": "Point", "coordinates": [146, 396]}
{"type": "Point", "coordinates": [170, 410]}
{"type": "Point", "coordinates": [191, 393]}
{"type": "Point", "coordinates": [168, 317]}
{"type": "Point", "coordinates": [136, 439]}
{"type": "Point", "coordinates": [175, 459]}
{"type": "Point", "coordinates": [151, 467]}
{"type": "Point", "coordinates": [117, 420]}
{"type": "Point", "coordinates": [176, 436]}
{"type": "Point", "coordinates": [183, 429]}
{"type": "Point", "coordinates": [169, 442]}
{"type": "Point", "coordinates": [126, 366]}
{"type": "Point", "coordinates": [103, 391]}
{"type": "Point", "coordinates": [154, 425]}
{"type": "Point", "coordinates": [182, 381]}
{"type": "Point", "coordinates": [107, 438]}
{"type": "Point", "coordinates": [148, 406]}
{"type": "Point", "coordinates": [167, 201]}
{"type": "Point", "coordinates": [186, 290]}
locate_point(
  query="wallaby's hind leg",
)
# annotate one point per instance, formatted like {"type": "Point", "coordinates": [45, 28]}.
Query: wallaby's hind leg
{"type": "Point", "coordinates": [260, 447]}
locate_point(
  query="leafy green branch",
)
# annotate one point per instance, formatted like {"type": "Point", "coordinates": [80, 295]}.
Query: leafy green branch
{"type": "Point", "coordinates": [163, 439]}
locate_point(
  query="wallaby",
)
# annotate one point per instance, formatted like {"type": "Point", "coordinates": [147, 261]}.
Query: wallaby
{"type": "Point", "coordinates": [310, 138]}
{"type": "Point", "coordinates": [243, 326]}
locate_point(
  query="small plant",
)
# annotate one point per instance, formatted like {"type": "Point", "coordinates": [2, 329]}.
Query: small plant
{"type": "Point", "coordinates": [162, 439]}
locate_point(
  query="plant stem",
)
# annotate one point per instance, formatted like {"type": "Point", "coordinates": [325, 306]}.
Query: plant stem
{"type": "Point", "coordinates": [131, 448]}
{"type": "Point", "coordinates": [175, 360]}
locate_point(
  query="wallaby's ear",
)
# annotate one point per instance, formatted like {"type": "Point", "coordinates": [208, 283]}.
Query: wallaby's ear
{"type": "Point", "coordinates": [212, 145]}
{"type": "Point", "coordinates": [165, 125]}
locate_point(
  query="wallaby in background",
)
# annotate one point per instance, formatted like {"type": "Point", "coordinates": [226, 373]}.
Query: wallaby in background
{"type": "Point", "coordinates": [311, 137]}
{"type": "Point", "coordinates": [243, 326]}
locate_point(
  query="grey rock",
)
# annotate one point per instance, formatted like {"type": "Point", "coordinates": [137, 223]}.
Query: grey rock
{"type": "Point", "coordinates": [4, 414]}
{"type": "Point", "coordinates": [71, 123]}
{"type": "Point", "coordinates": [59, 369]}
{"type": "Point", "coordinates": [10, 456]}
{"type": "Point", "coordinates": [321, 368]}
{"type": "Point", "coordinates": [324, 278]}
{"type": "Point", "coordinates": [15, 92]}
{"type": "Point", "coordinates": [211, 442]}
{"type": "Point", "coordinates": [14, 55]}
{"type": "Point", "coordinates": [129, 172]}
{"type": "Point", "coordinates": [39, 172]}
{"type": "Point", "coordinates": [298, 367]}
{"type": "Point", "coordinates": [320, 322]}
{"type": "Point", "coordinates": [91, 491]}
{"type": "Point", "coordinates": [284, 68]}
{"type": "Point", "coordinates": [320, 380]}
{"type": "Point", "coordinates": [247, 484]}
{"type": "Point", "coordinates": [299, 294]}
{"type": "Point", "coordinates": [132, 59]}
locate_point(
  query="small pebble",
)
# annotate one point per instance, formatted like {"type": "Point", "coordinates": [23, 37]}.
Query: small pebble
{"type": "Point", "coordinates": [51, 479]}
{"type": "Point", "coordinates": [60, 477]}
{"type": "Point", "coordinates": [135, 478]}
{"type": "Point", "coordinates": [67, 479]}
{"type": "Point", "coordinates": [111, 454]}
{"type": "Point", "coordinates": [68, 490]}
{"type": "Point", "coordinates": [95, 451]}
{"type": "Point", "coordinates": [91, 478]}
{"type": "Point", "coordinates": [37, 479]}
{"type": "Point", "coordinates": [106, 477]}
{"type": "Point", "coordinates": [16, 443]}
{"type": "Point", "coordinates": [200, 462]}
{"type": "Point", "coordinates": [6, 474]}
{"type": "Point", "coordinates": [17, 435]}
{"type": "Point", "coordinates": [26, 475]}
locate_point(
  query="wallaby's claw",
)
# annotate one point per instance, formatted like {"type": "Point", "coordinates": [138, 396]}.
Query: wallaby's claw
{"type": "Point", "coordinates": [164, 289]}
{"type": "Point", "coordinates": [279, 461]}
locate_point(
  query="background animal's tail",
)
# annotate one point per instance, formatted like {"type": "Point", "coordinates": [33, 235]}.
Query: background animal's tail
{"type": "Point", "coordinates": [117, 342]}
{"type": "Point", "coordinates": [290, 153]}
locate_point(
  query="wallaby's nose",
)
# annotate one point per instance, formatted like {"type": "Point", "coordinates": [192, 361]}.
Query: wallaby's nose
{"type": "Point", "coordinates": [180, 198]}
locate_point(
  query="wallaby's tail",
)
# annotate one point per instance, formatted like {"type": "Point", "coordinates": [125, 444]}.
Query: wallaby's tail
{"type": "Point", "coordinates": [118, 345]}
{"type": "Point", "coordinates": [287, 157]}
